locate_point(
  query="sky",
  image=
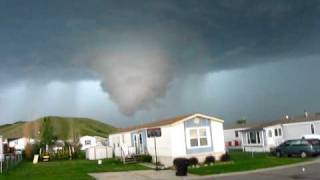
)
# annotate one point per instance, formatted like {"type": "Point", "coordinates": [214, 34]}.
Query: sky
{"type": "Point", "coordinates": [130, 62]}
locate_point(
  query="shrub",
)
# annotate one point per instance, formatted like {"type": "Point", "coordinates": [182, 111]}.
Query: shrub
{"type": "Point", "coordinates": [193, 161]}
{"type": "Point", "coordinates": [210, 159]}
{"type": "Point", "coordinates": [225, 157]}
{"type": "Point", "coordinates": [144, 158]}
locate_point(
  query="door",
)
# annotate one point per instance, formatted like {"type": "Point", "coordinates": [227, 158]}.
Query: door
{"type": "Point", "coordinates": [138, 143]}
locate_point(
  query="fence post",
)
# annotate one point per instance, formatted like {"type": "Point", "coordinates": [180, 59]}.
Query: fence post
{"type": "Point", "coordinates": [1, 152]}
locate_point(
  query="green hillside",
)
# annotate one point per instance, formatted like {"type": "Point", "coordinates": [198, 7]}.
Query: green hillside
{"type": "Point", "coordinates": [63, 128]}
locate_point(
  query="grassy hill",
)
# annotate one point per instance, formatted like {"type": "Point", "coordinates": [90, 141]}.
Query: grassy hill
{"type": "Point", "coordinates": [63, 128]}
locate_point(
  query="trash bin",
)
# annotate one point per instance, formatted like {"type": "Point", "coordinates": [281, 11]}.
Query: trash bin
{"type": "Point", "coordinates": [181, 165]}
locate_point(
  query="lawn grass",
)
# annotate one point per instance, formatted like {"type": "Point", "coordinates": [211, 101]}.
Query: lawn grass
{"type": "Point", "coordinates": [244, 161]}
{"type": "Point", "coordinates": [68, 169]}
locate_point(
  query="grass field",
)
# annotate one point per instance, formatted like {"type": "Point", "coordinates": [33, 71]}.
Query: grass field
{"type": "Point", "coordinates": [244, 161]}
{"type": "Point", "coordinates": [69, 169]}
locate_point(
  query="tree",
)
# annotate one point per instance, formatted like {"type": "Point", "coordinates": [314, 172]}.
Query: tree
{"type": "Point", "coordinates": [47, 137]}
{"type": "Point", "coordinates": [241, 121]}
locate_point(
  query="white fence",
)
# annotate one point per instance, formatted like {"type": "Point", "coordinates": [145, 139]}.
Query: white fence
{"type": "Point", "coordinates": [98, 152]}
{"type": "Point", "coordinates": [9, 161]}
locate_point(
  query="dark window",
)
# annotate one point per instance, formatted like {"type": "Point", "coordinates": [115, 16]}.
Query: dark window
{"type": "Point", "coordinates": [314, 142]}
{"type": "Point", "coordinates": [140, 139]}
{"type": "Point", "coordinates": [279, 132]}
{"type": "Point", "coordinates": [236, 133]}
{"type": "Point", "coordinates": [253, 138]}
{"type": "Point", "coordinates": [258, 137]}
{"type": "Point", "coordinates": [87, 142]}
{"type": "Point", "coordinates": [312, 129]}
{"type": "Point", "coordinates": [276, 132]}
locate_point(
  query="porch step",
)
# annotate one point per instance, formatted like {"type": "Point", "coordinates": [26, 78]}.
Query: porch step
{"type": "Point", "coordinates": [130, 160]}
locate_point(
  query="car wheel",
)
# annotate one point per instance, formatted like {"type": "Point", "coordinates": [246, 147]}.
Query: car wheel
{"type": "Point", "coordinates": [278, 154]}
{"type": "Point", "coordinates": [303, 155]}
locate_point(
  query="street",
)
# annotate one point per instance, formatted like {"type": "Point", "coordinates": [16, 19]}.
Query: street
{"type": "Point", "coordinates": [306, 172]}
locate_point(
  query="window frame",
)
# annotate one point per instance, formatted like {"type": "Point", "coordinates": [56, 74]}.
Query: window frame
{"type": "Point", "coordinates": [188, 137]}
{"type": "Point", "coordinates": [279, 132]}
{"type": "Point", "coordinates": [257, 136]}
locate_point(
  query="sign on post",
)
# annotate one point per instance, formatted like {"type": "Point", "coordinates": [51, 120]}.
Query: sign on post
{"type": "Point", "coordinates": [154, 132]}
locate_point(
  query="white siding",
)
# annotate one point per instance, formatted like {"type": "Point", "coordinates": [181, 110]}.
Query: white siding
{"type": "Point", "coordinates": [21, 143]}
{"type": "Point", "coordinates": [297, 130]}
{"type": "Point", "coordinates": [178, 140]}
{"type": "Point", "coordinates": [317, 127]}
{"type": "Point", "coordinates": [163, 143]}
{"type": "Point", "coordinates": [230, 136]}
{"type": "Point", "coordinates": [217, 137]}
{"type": "Point", "coordinates": [127, 139]}
{"type": "Point", "coordinates": [164, 146]}
{"type": "Point", "coordinates": [274, 140]}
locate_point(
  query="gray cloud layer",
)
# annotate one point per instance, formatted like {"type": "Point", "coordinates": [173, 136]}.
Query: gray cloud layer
{"type": "Point", "coordinates": [137, 48]}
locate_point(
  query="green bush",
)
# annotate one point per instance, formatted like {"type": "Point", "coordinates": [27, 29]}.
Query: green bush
{"type": "Point", "coordinates": [193, 161]}
{"type": "Point", "coordinates": [225, 157]}
{"type": "Point", "coordinates": [210, 159]}
{"type": "Point", "coordinates": [144, 158]}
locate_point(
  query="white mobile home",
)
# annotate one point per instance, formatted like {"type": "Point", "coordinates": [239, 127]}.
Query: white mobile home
{"type": "Point", "coordinates": [264, 137]}
{"type": "Point", "coordinates": [195, 135]}
{"type": "Point", "coordinates": [91, 141]}
{"type": "Point", "coordinates": [233, 135]}
{"type": "Point", "coordinates": [20, 143]}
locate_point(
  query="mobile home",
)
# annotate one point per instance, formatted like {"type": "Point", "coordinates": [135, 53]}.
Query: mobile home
{"type": "Point", "coordinates": [195, 135]}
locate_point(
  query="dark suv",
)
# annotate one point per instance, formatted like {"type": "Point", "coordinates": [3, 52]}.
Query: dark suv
{"type": "Point", "coordinates": [299, 147]}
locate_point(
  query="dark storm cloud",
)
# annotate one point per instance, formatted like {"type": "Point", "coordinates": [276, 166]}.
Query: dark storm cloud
{"type": "Point", "coordinates": [66, 40]}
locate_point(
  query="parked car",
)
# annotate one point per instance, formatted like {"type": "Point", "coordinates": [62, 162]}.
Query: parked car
{"type": "Point", "coordinates": [300, 147]}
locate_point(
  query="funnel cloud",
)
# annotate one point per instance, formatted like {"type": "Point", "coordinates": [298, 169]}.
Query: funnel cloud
{"type": "Point", "coordinates": [134, 76]}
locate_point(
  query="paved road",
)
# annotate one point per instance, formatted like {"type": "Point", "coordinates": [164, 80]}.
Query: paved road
{"type": "Point", "coordinates": [311, 172]}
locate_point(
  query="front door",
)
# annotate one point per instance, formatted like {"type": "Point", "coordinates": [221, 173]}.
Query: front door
{"type": "Point", "coordinates": [138, 143]}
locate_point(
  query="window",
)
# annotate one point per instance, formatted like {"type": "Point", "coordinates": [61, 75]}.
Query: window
{"type": "Point", "coordinates": [236, 133]}
{"type": "Point", "coordinates": [140, 138]}
{"type": "Point", "coordinates": [198, 137]}
{"type": "Point", "coordinates": [312, 129]}
{"type": "Point", "coordinates": [270, 133]}
{"type": "Point", "coordinates": [314, 142]}
{"type": "Point", "coordinates": [193, 138]}
{"type": "Point", "coordinates": [87, 142]}
{"type": "Point", "coordinates": [254, 137]}
{"type": "Point", "coordinates": [203, 137]}
{"type": "Point", "coordinates": [279, 132]}
{"type": "Point", "coordinates": [275, 132]}
{"type": "Point", "coordinates": [294, 142]}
